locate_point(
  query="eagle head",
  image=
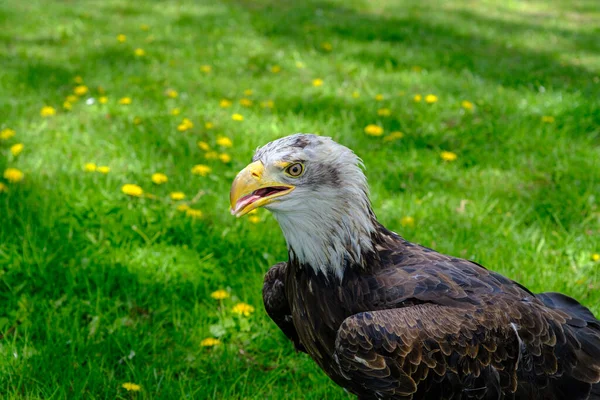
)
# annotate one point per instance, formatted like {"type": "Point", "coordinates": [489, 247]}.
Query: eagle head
{"type": "Point", "coordinates": [317, 191]}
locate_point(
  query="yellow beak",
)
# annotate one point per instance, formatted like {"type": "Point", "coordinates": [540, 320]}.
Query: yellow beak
{"type": "Point", "coordinates": [251, 189]}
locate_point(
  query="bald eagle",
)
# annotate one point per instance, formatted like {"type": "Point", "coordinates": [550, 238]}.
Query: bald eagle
{"type": "Point", "coordinates": [389, 319]}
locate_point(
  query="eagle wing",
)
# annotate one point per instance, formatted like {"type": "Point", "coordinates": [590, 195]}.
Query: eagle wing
{"type": "Point", "coordinates": [277, 305]}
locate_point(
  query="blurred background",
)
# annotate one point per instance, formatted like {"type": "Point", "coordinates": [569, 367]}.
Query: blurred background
{"type": "Point", "coordinates": [122, 125]}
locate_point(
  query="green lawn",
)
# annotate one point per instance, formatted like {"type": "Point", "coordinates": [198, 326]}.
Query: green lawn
{"type": "Point", "coordinates": [99, 288]}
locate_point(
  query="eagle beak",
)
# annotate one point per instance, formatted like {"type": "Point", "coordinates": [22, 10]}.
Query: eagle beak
{"type": "Point", "coordinates": [251, 189]}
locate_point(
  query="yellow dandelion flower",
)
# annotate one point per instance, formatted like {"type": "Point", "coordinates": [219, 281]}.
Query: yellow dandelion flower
{"type": "Point", "coordinates": [185, 125]}
{"type": "Point", "coordinates": [139, 52]}
{"type": "Point", "coordinates": [7, 133]}
{"type": "Point", "coordinates": [393, 136]}
{"type": "Point", "coordinates": [448, 156]}
{"type": "Point", "coordinates": [384, 112]}
{"type": "Point", "coordinates": [13, 175]}
{"type": "Point", "coordinates": [206, 69]}
{"type": "Point", "coordinates": [246, 102]}
{"type": "Point", "coordinates": [47, 111]}
{"type": "Point", "coordinates": [190, 212]}
{"type": "Point", "coordinates": [209, 125]}
{"type": "Point", "coordinates": [255, 219]}
{"type": "Point", "coordinates": [210, 342]}
{"type": "Point", "coordinates": [172, 93]}
{"type": "Point", "coordinates": [90, 167]}
{"type": "Point", "coordinates": [144, 27]}
{"type": "Point", "coordinates": [103, 100]}
{"type": "Point", "coordinates": [548, 119]}
{"type": "Point", "coordinates": [183, 207]}
{"type": "Point", "coordinates": [224, 103]}
{"type": "Point", "coordinates": [275, 69]}
{"type": "Point", "coordinates": [67, 106]}
{"type": "Point", "coordinates": [137, 120]}
{"type": "Point", "coordinates": [72, 98]}
{"type": "Point", "coordinates": [80, 90]}
{"type": "Point", "coordinates": [132, 190]}
{"type": "Point", "coordinates": [219, 294]}
{"type": "Point", "coordinates": [103, 169]}
{"type": "Point", "coordinates": [373, 130]}
{"type": "Point", "coordinates": [417, 98]}
{"type": "Point", "coordinates": [379, 97]}
{"type": "Point", "coordinates": [203, 146]}
{"type": "Point", "coordinates": [225, 157]}
{"type": "Point", "coordinates": [431, 98]}
{"type": "Point", "coordinates": [211, 155]}
{"type": "Point", "coordinates": [125, 100]}
{"type": "Point", "coordinates": [407, 221]}
{"type": "Point", "coordinates": [317, 82]}
{"type": "Point", "coordinates": [243, 309]}
{"type": "Point", "coordinates": [159, 178]}
{"type": "Point", "coordinates": [326, 46]}
{"type": "Point", "coordinates": [175, 111]}
{"type": "Point", "coordinates": [121, 38]}
{"type": "Point", "coordinates": [3, 187]}
{"type": "Point", "coordinates": [177, 196]}
{"type": "Point", "coordinates": [467, 105]}
{"type": "Point", "coordinates": [16, 149]}
{"type": "Point", "coordinates": [131, 387]}
{"type": "Point", "coordinates": [268, 104]}
{"type": "Point", "coordinates": [237, 117]}
{"type": "Point", "coordinates": [224, 141]}
{"type": "Point", "coordinates": [78, 80]}
{"type": "Point", "coordinates": [356, 94]}
{"type": "Point", "coordinates": [300, 65]}
{"type": "Point", "coordinates": [201, 170]}
{"type": "Point", "coordinates": [248, 92]}
{"type": "Point", "coordinates": [596, 257]}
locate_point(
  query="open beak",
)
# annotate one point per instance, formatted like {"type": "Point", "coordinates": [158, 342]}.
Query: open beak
{"type": "Point", "coordinates": [252, 189]}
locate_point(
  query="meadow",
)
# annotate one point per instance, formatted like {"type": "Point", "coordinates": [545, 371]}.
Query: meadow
{"type": "Point", "coordinates": [122, 124]}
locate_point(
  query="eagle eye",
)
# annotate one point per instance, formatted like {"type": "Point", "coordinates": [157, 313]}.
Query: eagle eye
{"type": "Point", "coordinates": [295, 170]}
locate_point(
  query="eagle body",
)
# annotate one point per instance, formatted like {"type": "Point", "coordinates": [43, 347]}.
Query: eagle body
{"type": "Point", "coordinates": [388, 319]}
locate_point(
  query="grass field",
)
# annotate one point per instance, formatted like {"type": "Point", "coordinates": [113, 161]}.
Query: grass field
{"type": "Point", "coordinates": [99, 288]}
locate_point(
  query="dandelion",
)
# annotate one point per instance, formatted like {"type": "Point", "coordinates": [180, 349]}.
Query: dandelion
{"type": "Point", "coordinates": [268, 104]}
{"type": "Point", "coordinates": [300, 65]}
{"type": "Point", "coordinates": [275, 69]}
{"type": "Point", "coordinates": [132, 190]}
{"type": "Point", "coordinates": [72, 98]}
{"type": "Point", "coordinates": [355, 94]}
{"type": "Point", "coordinates": [384, 112]}
{"type": "Point", "coordinates": [225, 157]}
{"type": "Point", "coordinates": [254, 219]}
{"type": "Point", "coordinates": [7, 133]}
{"type": "Point", "coordinates": [175, 111]}
{"type": "Point", "coordinates": [467, 105]}
{"type": "Point", "coordinates": [185, 125]}
{"type": "Point", "coordinates": [393, 136]}
{"type": "Point", "coordinates": [248, 92]}
{"type": "Point", "coordinates": [317, 82]}
{"type": "Point", "coordinates": [201, 170]}
{"type": "Point", "coordinates": [144, 27]}
{"type": "Point", "coordinates": [103, 100]}
{"type": "Point", "coordinates": [16, 149]}
{"type": "Point", "coordinates": [379, 97]}
{"type": "Point", "coordinates": [3, 187]}
{"type": "Point", "coordinates": [210, 342]}
{"type": "Point", "coordinates": [177, 196]}
{"type": "Point", "coordinates": [125, 100]}
{"type": "Point", "coordinates": [431, 98]}
{"type": "Point", "coordinates": [596, 257]}
{"type": "Point", "coordinates": [219, 294]}
{"type": "Point", "coordinates": [224, 141]}
{"type": "Point", "coordinates": [237, 117]}
{"type": "Point", "coordinates": [326, 46]}
{"type": "Point", "coordinates": [67, 106]}
{"type": "Point", "coordinates": [407, 221]}
{"type": "Point", "coordinates": [90, 167]}
{"type": "Point", "coordinates": [121, 38]}
{"type": "Point", "coordinates": [103, 169]}
{"type": "Point", "coordinates": [80, 90]}
{"type": "Point", "coordinates": [206, 69]}
{"type": "Point", "coordinates": [203, 145]}
{"type": "Point", "coordinates": [13, 175]}
{"type": "Point", "coordinates": [224, 103]}
{"type": "Point", "coordinates": [548, 119]}
{"type": "Point", "coordinates": [211, 155]}
{"type": "Point", "coordinates": [137, 120]}
{"type": "Point", "coordinates": [139, 52]}
{"type": "Point", "coordinates": [417, 98]}
{"type": "Point", "coordinates": [243, 309]}
{"type": "Point", "coordinates": [131, 387]}
{"type": "Point", "coordinates": [209, 125]}
{"type": "Point", "coordinates": [373, 130]}
{"type": "Point", "coordinates": [183, 207]}
{"type": "Point", "coordinates": [159, 178]}
{"type": "Point", "coordinates": [78, 80]}
{"type": "Point", "coordinates": [172, 93]}
{"type": "Point", "coordinates": [195, 214]}
{"type": "Point", "coordinates": [448, 156]}
{"type": "Point", "coordinates": [246, 102]}
{"type": "Point", "coordinates": [47, 111]}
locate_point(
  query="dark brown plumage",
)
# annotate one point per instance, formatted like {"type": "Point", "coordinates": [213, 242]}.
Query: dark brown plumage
{"type": "Point", "coordinates": [417, 324]}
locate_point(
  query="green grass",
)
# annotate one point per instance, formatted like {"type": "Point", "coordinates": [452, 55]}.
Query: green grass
{"type": "Point", "coordinates": [98, 288]}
